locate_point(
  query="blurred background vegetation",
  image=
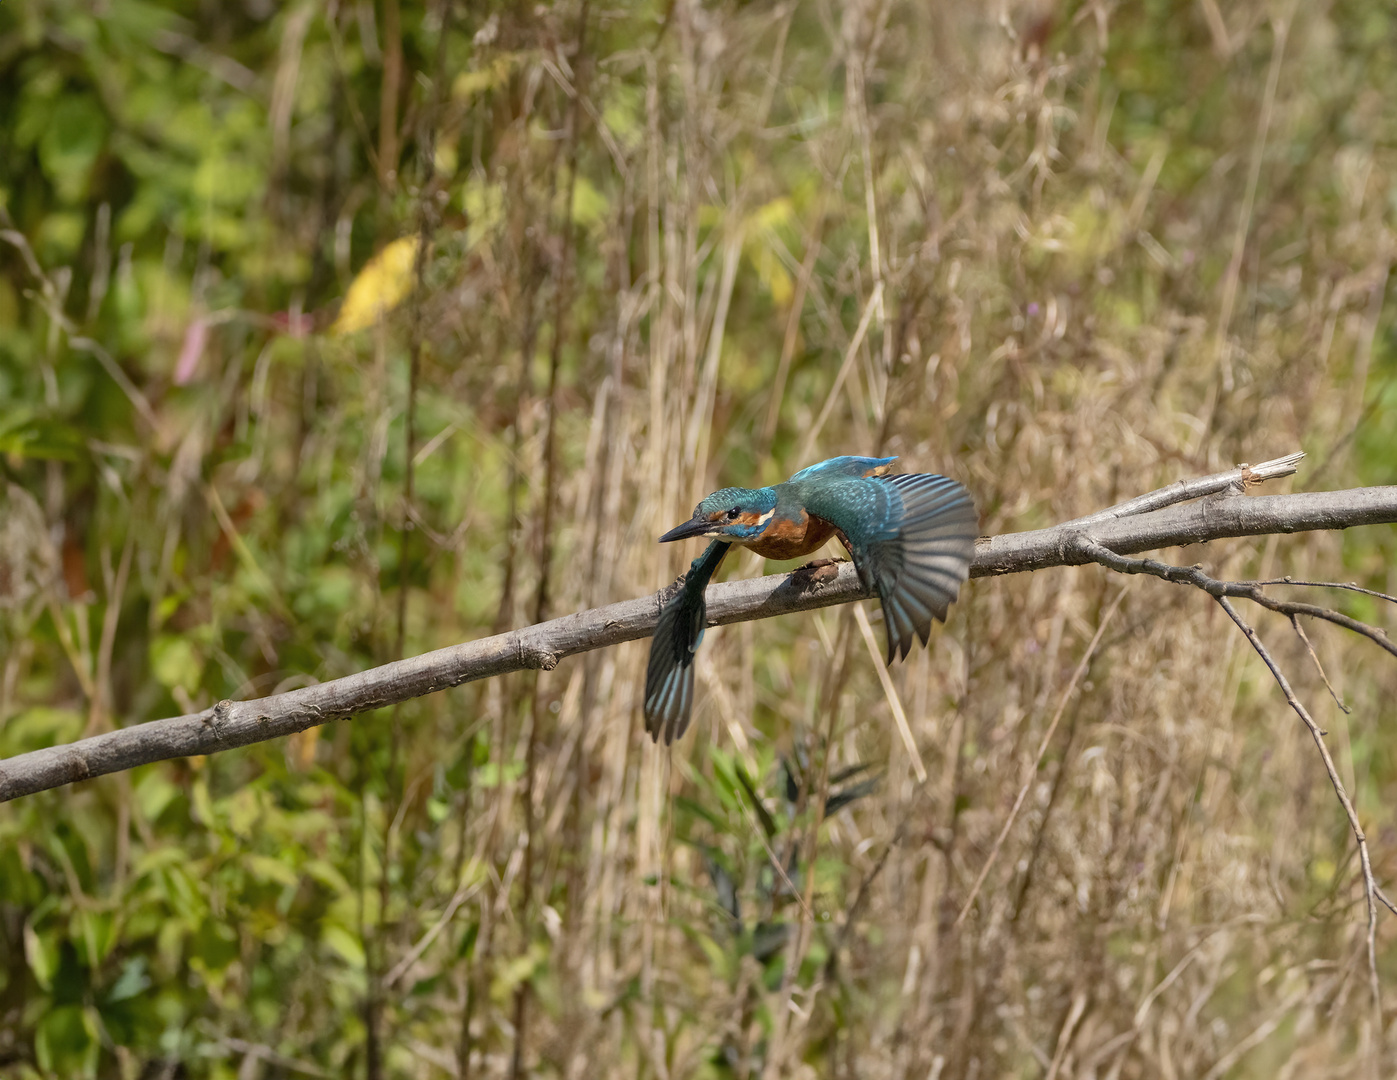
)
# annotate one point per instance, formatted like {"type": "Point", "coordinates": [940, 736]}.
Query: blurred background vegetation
{"type": "Point", "coordinates": [337, 330]}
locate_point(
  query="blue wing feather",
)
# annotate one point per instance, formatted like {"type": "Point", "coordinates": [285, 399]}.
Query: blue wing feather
{"type": "Point", "coordinates": [912, 538]}
{"type": "Point", "coordinates": [669, 676]}
{"type": "Point", "coordinates": [846, 467]}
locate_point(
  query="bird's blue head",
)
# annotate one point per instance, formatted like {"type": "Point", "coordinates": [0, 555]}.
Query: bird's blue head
{"type": "Point", "coordinates": [733, 514]}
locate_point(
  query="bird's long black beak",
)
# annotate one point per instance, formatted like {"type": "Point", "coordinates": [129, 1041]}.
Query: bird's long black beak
{"type": "Point", "coordinates": [693, 527]}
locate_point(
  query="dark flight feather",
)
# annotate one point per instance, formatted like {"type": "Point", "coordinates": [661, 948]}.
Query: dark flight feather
{"type": "Point", "coordinates": [669, 677]}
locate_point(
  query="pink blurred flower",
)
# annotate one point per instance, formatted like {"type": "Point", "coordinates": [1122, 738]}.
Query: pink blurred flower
{"type": "Point", "coordinates": [196, 336]}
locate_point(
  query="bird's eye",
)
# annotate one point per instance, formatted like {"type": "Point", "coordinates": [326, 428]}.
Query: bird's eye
{"type": "Point", "coordinates": [732, 514]}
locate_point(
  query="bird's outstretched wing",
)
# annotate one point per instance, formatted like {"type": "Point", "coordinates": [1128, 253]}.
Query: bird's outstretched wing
{"type": "Point", "coordinates": [669, 677]}
{"type": "Point", "coordinates": [843, 468]}
{"type": "Point", "coordinates": [912, 539]}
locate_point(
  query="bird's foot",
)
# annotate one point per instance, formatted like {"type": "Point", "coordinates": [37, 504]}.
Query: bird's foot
{"type": "Point", "coordinates": [820, 570]}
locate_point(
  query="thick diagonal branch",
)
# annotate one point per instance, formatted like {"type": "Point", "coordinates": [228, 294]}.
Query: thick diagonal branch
{"type": "Point", "coordinates": [231, 724]}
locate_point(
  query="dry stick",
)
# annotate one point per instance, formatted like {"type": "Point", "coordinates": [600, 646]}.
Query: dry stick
{"type": "Point", "coordinates": [1280, 29]}
{"type": "Point", "coordinates": [542, 595]}
{"type": "Point", "coordinates": [1032, 771]}
{"type": "Point", "coordinates": [1369, 885]}
{"type": "Point", "coordinates": [1113, 561]}
{"type": "Point", "coordinates": [230, 724]}
{"type": "Point", "coordinates": [469, 886]}
{"type": "Point", "coordinates": [890, 692]}
{"type": "Point", "coordinates": [374, 1011]}
{"type": "Point", "coordinates": [1193, 575]}
{"type": "Point", "coordinates": [1234, 480]}
{"type": "Point", "coordinates": [1300, 631]}
{"type": "Point", "coordinates": [788, 344]}
{"type": "Point", "coordinates": [1346, 585]}
{"type": "Point", "coordinates": [1064, 1036]}
{"type": "Point", "coordinates": [799, 944]}
{"type": "Point", "coordinates": [1263, 1031]}
{"type": "Point", "coordinates": [873, 304]}
{"type": "Point", "coordinates": [100, 707]}
{"type": "Point", "coordinates": [545, 558]}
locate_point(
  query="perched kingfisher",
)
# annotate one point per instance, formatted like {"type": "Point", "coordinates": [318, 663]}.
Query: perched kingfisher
{"type": "Point", "coordinates": [911, 538]}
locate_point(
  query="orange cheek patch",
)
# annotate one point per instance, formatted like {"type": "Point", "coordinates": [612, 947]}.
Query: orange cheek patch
{"type": "Point", "coordinates": [749, 518]}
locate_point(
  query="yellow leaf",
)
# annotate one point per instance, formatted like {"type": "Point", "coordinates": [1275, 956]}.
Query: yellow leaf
{"type": "Point", "coordinates": [381, 285]}
{"type": "Point", "coordinates": [300, 749]}
{"type": "Point", "coordinates": [470, 83]}
{"type": "Point", "coordinates": [773, 275]}
{"type": "Point", "coordinates": [763, 224]}
{"type": "Point", "coordinates": [775, 214]}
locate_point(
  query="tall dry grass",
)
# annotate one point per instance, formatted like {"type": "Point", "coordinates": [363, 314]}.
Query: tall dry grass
{"type": "Point", "coordinates": [1062, 253]}
{"type": "Point", "coordinates": [1062, 306]}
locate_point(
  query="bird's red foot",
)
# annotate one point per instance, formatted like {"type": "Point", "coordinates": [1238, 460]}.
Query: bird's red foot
{"type": "Point", "coordinates": [820, 570]}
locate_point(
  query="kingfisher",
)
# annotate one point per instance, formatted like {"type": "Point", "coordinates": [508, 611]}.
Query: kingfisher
{"type": "Point", "coordinates": [911, 536]}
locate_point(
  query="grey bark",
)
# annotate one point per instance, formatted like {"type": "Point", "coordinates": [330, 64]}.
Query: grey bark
{"type": "Point", "coordinates": [231, 724]}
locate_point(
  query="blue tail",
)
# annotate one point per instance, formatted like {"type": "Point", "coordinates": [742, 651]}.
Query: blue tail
{"type": "Point", "coordinates": [669, 677]}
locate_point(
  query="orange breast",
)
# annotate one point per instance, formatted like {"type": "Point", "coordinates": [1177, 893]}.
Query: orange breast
{"type": "Point", "coordinates": [790, 538]}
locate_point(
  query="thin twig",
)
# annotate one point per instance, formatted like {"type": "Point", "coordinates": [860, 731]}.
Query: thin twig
{"type": "Point", "coordinates": [1369, 885]}
{"type": "Point", "coordinates": [1346, 585]}
{"type": "Point", "coordinates": [464, 892]}
{"type": "Point", "coordinates": [1300, 630]}
{"type": "Point", "coordinates": [1234, 480]}
{"type": "Point", "coordinates": [890, 692]}
{"type": "Point", "coordinates": [873, 304]}
{"type": "Point", "coordinates": [271, 1057]}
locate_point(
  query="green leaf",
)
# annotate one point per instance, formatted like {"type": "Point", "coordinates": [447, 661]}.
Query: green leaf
{"type": "Point", "coordinates": [96, 934]}
{"type": "Point", "coordinates": [328, 875]}
{"type": "Point", "coordinates": [345, 945]}
{"type": "Point", "coordinates": [67, 1043]}
{"type": "Point", "coordinates": [174, 661]}
{"type": "Point", "coordinates": [40, 727]}
{"type": "Point", "coordinates": [24, 435]}
{"type": "Point", "coordinates": [265, 868]}
{"type": "Point", "coordinates": [154, 792]}
{"type": "Point", "coordinates": [70, 143]}
{"type": "Point", "coordinates": [41, 953]}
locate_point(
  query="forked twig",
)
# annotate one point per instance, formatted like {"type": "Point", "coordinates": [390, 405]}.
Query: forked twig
{"type": "Point", "coordinates": [1193, 575]}
{"type": "Point", "coordinates": [1221, 591]}
{"type": "Point", "coordinates": [1369, 885]}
